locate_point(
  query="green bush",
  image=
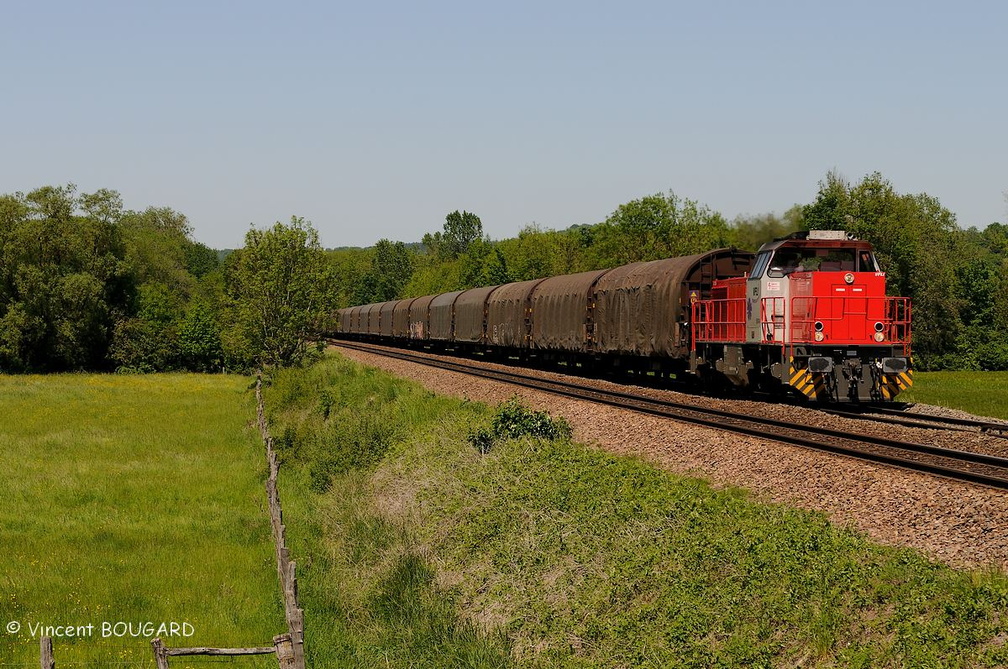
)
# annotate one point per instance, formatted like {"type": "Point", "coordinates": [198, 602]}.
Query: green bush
{"type": "Point", "coordinates": [352, 444]}
{"type": "Point", "coordinates": [513, 420]}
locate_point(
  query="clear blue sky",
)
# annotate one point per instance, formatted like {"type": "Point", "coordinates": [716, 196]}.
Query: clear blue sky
{"type": "Point", "coordinates": [376, 119]}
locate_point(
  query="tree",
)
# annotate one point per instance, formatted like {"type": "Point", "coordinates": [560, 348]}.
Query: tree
{"type": "Point", "coordinates": [482, 265]}
{"type": "Point", "coordinates": [530, 254]}
{"type": "Point", "coordinates": [63, 283]}
{"type": "Point", "coordinates": [199, 341]}
{"type": "Point", "coordinates": [982, 291]}
{"type": "Point", "coordinates": [659, 226]}
{"type": "Point", "coordinates": [391, 268]}
{"type": "Point", "coordinates": [157, 240]}
{"type": "Point", "coordinates": [278, 285]}
{"type": "Point", "coordinates": [918, 244]}
{"type": "Point", "coordinates": [346, 266]}
{"type": "Point", "coordinates": [461, 229]}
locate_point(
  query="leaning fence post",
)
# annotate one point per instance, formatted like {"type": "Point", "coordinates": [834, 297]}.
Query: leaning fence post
{"type": "Point", "coordinates": [160, 653]}
{"type": "Point", "coordinates": [46, 654]}
{"type": "Point", "coordinates": [284, 651]}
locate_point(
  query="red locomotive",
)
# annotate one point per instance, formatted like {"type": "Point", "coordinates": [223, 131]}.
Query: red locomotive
{"type": "Point", "coordinates": [808, 313]}
{"type": "Point", "coordinates": [813, 315]}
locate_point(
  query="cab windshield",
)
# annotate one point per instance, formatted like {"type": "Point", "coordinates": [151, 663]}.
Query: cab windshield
{"type": "Point", "coordinates": [790, 259]}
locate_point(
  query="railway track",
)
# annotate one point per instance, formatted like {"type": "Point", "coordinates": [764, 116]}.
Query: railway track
{"type": "Point", "coordinates": [976, 468]}
{"type": "Point", "coordinates": [902, 417]}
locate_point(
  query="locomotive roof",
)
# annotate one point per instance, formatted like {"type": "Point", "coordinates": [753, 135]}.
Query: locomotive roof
{"type": "Point", "coordinates": [829, 239]}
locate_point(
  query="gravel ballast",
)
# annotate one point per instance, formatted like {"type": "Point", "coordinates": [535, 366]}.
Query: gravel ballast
{"type": "Point", "coordinates": [961, 524]}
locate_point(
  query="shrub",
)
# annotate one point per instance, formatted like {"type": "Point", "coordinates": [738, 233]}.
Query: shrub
{"type": "Point", "coordinates": [513, 420]}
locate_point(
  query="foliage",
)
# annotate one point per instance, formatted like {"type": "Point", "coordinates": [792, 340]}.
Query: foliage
{"type": "Point", "coordinates": [391, 267]}
{"type": "Point", "coordinates": [751, 232]}
{"type": "Point", "coordinates": [346, 267]}
{"type": "Point", "coordinates": [63, 279]}
{"type": "Point", "coordinates": [513, 420]}
{"type": "Point", "coordinates": [461, 229]}
{"type": "Point", "coordinates": [278, 285]}
{"type": "Point", "coordinates": [647, 229]}
{"type": "Point", "coordinates": [982, 291]}
{"type": "Point", "coordinates": [175, 323]}
{"type": "Point", "coordinates": [87, 285]}
{"type": "Point", "coordinates": [658, 226]}
{"type": "Point", "coordinates": [199, 342]}
{"type": "Point", "coordinates": [157, 242]}
{"type": "Point", "coordinates": [141, 345]}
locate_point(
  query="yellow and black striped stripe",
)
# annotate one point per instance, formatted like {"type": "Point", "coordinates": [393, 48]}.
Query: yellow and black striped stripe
{"type": "Point", "coordinates": [894, 384]}
{"type": "Point", "coordinates": [811, 385]}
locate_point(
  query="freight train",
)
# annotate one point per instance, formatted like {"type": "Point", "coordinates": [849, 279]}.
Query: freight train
{"type": "Point", "coordinates": [806, 314]}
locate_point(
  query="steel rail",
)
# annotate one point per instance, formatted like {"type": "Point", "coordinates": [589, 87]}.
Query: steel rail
{"type": "Point", "coordinates": [925, 421]}
{"type": "Point", "coordinates": [983, 425]}
{"type": "Point", "coordinates": [739, 423]}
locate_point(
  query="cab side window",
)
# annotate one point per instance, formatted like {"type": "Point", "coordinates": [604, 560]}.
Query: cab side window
{"type": "Point", "coordinates": [867, 262]}
{"type": "Point", "coordinates": [760, 266]}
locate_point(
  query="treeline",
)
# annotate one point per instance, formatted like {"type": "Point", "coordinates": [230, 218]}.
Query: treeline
{"type": "Point", "coordinates": [957, 280]}
{"type": "Point", "coordinates": [88, 285]}
{"type": "Point", "coordinates": [460, 256]}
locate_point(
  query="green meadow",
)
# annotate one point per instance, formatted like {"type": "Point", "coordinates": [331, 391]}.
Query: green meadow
{"type": "Point", "coordinates": [428, 535]}
{"type": "Point", "coordinates": [981, 393]}
{"type": "Point", "coordinates": [135, 500]}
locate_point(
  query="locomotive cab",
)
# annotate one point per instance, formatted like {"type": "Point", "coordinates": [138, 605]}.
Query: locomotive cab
{"type": "Point", "coordinates": [813, 315]}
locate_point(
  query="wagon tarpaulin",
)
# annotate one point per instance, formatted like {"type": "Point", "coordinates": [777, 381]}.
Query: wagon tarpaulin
{"type": "Point", "coordinates": [470, 313]}
{"type": "Point", "coordinates": [642, 309]}
{"type": "Point", "coordinates": [560, 307]}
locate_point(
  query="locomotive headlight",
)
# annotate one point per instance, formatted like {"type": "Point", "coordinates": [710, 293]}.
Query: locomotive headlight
{"type": "Point", "coordinates": [879, 336]}
{"type": "Point", "coordinates": [819, 336]}
{"type": "Point", "coordinates": [848, 277]}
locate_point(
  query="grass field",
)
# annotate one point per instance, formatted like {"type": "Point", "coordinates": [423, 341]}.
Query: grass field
{"type": "Point", "coordinates": [420, 549]}
{"type": "Point", "coordinates": [132, 499]}
{"type": "Point", "coordinates": [981, 393]}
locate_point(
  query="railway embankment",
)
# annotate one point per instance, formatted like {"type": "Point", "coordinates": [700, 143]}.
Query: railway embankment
{"type": "Point", "coordinates": [427, 534]}
{"type": "Point", "coordinates": [961, 524]}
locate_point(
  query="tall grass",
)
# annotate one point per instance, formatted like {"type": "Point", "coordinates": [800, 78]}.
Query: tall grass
{"type": "Point", "coordinates": [133, 499]}
{"type": "Point", "coordinates": [445, 542]}
{"type": "Point", "coordinates": [367, 588]}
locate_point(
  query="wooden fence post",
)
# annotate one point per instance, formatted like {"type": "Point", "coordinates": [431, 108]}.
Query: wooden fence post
{"type": "Point", "coordinates": [160, 653]}
{"type": "Point", "coordinates": [284, 651]}
{"type": "Point", "coordinates": [46, 654]}
{"type": "Point", "coordinates": [286, 568]}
